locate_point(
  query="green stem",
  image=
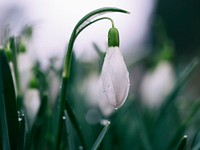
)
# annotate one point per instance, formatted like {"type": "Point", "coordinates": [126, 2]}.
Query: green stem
{"type": "Point", "coordinates": [107, 18]}
{"type": "Point", "coordinates": [67, 62]}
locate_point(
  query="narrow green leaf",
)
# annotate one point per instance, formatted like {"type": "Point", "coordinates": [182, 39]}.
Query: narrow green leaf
{"type": "Point", "coordinates": [8, 107]}
{"type": "Point", "coordinates": [69, 131]}
{"type": "Point", "coordinates": [182, 145]}
{"type": "Point", "coordinates": [36, 137]}
{"type": "Point", "coordinates": [196, 141]}
{"type": "Point", "coordinates": [22, 136]}
{"type": "Point", "coordinates": [1, 145]}
{"type": "Point", "coordinates": [186, 122]}
{"type": "Point", "coordinates": [75, 123]}
{"type": "Point", "coordinates": [101, 135]}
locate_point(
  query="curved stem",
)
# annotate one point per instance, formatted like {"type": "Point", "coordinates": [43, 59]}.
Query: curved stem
{"type": "Point", "coordinates": [67, 63]}
{"type": "Point", "coordinates": [103, 18]}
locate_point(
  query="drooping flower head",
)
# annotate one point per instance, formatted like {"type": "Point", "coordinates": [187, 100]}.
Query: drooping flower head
{"type": "Point", "coordinates": [115, 76]}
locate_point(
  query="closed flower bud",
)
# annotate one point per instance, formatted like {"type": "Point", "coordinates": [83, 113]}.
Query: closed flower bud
{"type": "Point", "coordinates": [115, 77]}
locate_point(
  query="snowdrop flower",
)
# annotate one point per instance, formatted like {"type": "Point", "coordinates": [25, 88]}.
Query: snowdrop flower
{"type": "Point", "coordinates": [32, 103]}
{"type": "Point", "coordinates": [157, 84]}
{"type": "Point", "coordinates": [115, 76]}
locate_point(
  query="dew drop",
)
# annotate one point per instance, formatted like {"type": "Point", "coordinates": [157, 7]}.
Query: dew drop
{"type": "Point", "coordinates": [63, 117]}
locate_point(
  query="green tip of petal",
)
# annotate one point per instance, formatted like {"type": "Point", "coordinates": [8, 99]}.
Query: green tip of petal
{"type": "Point", "coordinates": [113, 37]}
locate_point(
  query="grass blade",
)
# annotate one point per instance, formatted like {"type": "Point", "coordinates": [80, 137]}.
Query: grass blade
{"type": "Point", "coordinates": [182, 145]}
{"type": "Point", "coordinates": [75, 123]}
{"type": "Point", "coordinates": [101, 136]}
{"type": "Point", "coordinates": [22, 136]}
{"type": "Point", "coordinates": [37, 135]}
{"type": "Point", "coordinates": [186, 122]}
{"type": "Point", "coordinates": [70, 139]}
{"type": "Point", "coordinates": [8, 107]}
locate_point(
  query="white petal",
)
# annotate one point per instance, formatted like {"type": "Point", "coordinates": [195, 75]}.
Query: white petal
{"type": "Point", "coordinates": [115, 77]}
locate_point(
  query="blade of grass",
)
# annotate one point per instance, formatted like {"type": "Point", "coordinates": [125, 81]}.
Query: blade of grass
{"type": "Point", "coordinates": [35, 137]}
{"type": "Point", "coordinates": [194, 110]}
{"type": "Point", "coordinates": [8, 106]}
{"type": "Point", "coordinates": [101, 136]}
{"type": "Point", "coordinates": [195, 142]}
{"type": "Point", "coordinates": [4, 125]}
{"type": "Point", "coordinates": [70, 140]}
{"type": "Point", "coordinates": [75, 123]}
{"type": "Point", "coordinates": [22, 136]}
{"type": "Point", "coordinates": [1, 145]}
{"type": "Point", "coordinates": [182, 145]}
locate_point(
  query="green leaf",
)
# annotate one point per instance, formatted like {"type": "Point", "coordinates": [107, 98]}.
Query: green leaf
{"type": "Point", "coordinates": [182, 145]}
{"type": "Point", "coordinates": [36, 138]}
{"type": "Point", "coordinates": [22, 136]}
{"type": "Point", "coordinates": [75, 123]}
{"type": "Point", "coordinates": [185, 123]}
{"type": "Point", "coordinates": [101, 135]}
{"type": "Point", "coordinates": [8, 107]}
{"type": "Point", "coordinates": [69, 132]}
{"type": "Point", "coordinates": [196, 141]}
{"type": "Point", "coordinates": [1, 145]}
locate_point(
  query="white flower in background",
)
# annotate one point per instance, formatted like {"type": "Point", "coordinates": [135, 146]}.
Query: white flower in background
{"type": "Point", "coordinates": [156, 85]}
{"type": "Point", "coordinates": [93, 89]}
{"type": "Point", "coordinates": [115, 76]}
{"type": "Point", "coordinates": [32, 103]}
